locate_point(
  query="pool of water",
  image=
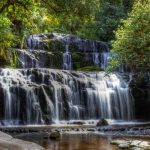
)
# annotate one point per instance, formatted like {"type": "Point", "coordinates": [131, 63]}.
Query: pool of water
{"type": "Point", "coordinates": [73, 142]}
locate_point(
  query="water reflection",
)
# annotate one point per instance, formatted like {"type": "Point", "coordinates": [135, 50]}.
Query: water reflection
{"type": "Point", "coordinates": [76, 142]}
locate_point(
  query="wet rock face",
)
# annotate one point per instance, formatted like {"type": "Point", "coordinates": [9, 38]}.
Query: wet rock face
{"type": "Point", "coordinates": [140, 89]}
{"type": "Point", "coordinates": [44, 96]}
{"type": "Point", "coordinates": [56, 50]}
{"type": "Point", "coordinates": [39, 59]}
{"type": "Point", "coordinates": [56, 42]}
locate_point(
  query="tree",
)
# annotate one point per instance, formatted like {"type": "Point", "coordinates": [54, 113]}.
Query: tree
{"type": "Point", "coordinates": [132, 44]}
{"type": "Point", "coordinates": [108, 18]}
{"type": "Point", "coordinates": [6, 37]}
{"type": "Point", "coordinates": [21, 15]}
{"type": "Point", "coordinates": [29, 17]}
{"type": "Point", "coordinates": [72, 14]}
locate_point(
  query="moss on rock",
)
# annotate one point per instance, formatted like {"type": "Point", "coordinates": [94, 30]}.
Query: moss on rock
{"type": "Point", "coordinates": [74, 47]}
{"type": "Point", "coordinates": [80, 62]}
{"type": "Point", "coordinates": [57, 60]}
{"type": "Point", "coordinates": [55, 135]}
{"type": "Point", "coordinates": [54, 45]}
{"type": "Point", "coordinates": [90, 68]}
{"type": "Point", "coordinates": [77, 58]}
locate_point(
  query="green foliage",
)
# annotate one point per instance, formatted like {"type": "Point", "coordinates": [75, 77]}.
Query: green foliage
{"type": "Point", "coordinates": [88, 30]}
{"type": "Point", "coordinates": [132, 44]}
{"type": "Point", "coordinates": [93, 19]}
{"type": "Point", "coordinates": [74, 15]}
{"type": "Point", "coordinates": [5, 32]}
{"type": "Point", "coordinates": [89, 19]}
{"type": "Point", "coordinates": [29, 17]}
{"type": "Point", "coordinates": [108, 19]}
{"type": "Point", "coordinates": [6, 37]}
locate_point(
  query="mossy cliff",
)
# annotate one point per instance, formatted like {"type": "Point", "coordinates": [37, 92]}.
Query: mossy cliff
{"type": "Point", "coordinates": [48, 50]}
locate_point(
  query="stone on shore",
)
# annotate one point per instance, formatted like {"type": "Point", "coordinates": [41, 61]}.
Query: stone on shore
{"type": "Point", "coordinates": [132, 144]}
{"type": "Point", "coordinates": [7, 142]}
{"type": "Point", "coordinates": [124, 146]}
{"type": "Point", "coordinates": [55, 135]}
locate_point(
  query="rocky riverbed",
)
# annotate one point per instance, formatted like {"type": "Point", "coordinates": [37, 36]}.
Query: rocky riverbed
{"type": "Point", "coordinates": [131, 135]}
{"type": "Point", "coordinates": [131, 144]}
{"type": "Point", "coordinates": [119, 129]}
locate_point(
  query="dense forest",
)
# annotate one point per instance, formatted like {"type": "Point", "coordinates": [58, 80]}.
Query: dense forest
{"type": "Point", "coordinates": [122, 24]}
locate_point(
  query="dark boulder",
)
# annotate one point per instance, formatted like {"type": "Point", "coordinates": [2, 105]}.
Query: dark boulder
{"type": "Point", "coordinates": [55, 135]}
{"type": "Point", "coordinates": [102, 122]}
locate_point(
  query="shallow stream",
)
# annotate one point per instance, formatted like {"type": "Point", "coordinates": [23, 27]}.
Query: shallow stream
{"type": "Point", "coordinates": [74, 142]}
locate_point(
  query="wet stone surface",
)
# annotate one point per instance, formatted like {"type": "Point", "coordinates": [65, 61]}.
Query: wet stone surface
{"type": "Point", "coordinates": [131, 144]}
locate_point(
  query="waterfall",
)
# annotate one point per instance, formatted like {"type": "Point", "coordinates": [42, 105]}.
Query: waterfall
{"type": "Point", "coordinates": [27, 59]}
{"type": "Point", "coordinates": [100, 59]}
{"type": "Point", "coordinates": [68, 46]}
{"type": "Point", "coordinates": [42, 96]}
{"type": "Point", "coordinates": [35, 42]}
{"type": "Point", "coordinates": [57, 96]}
{"type": "Point", "coordinates": [67, 61]}
{"type": "Point", "coordinates": [36, 94]}
{"type": "Point", "coordinates": [96, 54]}
{"type": "Point", "coordinates": [105, 59]}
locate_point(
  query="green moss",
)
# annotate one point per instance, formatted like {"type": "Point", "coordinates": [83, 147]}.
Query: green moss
{"type": "Point", "coordinates": [54, 45]}
{"type": "Point", "coordinates": [80, 62]}
{"type": "Point", "coordinates": [9, 59]}
{"type": "Point", "coordinates": [74, 47]}
{"type": "Point", "coordinates": [77, 59]}
{"type": "Point", "coordinates": [90, 68]}
{"type": "Point", "coordinates": [77, 56]}
{"type": "Point", "coordinates": [57, 48]}
{"type": "Point", "coordinates": [54, 60]}
{"type": "Point", "coordinates": [57, 60]}
{"type": "Point", "coordinates": [55, 135]}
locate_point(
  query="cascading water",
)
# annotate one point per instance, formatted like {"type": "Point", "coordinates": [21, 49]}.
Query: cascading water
{"type": "Point", "coordinates": [100, 59]}
{"type": "Point", "coordinates": [67, 61]}
{"type": "Point", "coordinates": [105, 59]}
{"type": "Point", "coordinates": [42, 96]}
{"type": "Point", "coordinates": [68, 46]}
{"type": "Point", "coordinates": [96, 54]}
{"type": "Point", "coordinates": [27, 59]}
{"type": "Point", "coordinates": [35, 42]}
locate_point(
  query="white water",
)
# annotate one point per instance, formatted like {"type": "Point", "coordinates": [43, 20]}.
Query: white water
{"type": "Point", "coordinates": [105, 59]}
{"type": "Point", "coordinates": [94, 51]}
{"type": "Point", "coordinates": [43, 96]}
{"type": "Point", "coordinates": [67, 61]}
{"type": "Point", "coordinates": [32, 95]}
{"type": "Point", "coordinates": [100, 59]}
{"type": "Point", "coordinates": [27, 59]}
